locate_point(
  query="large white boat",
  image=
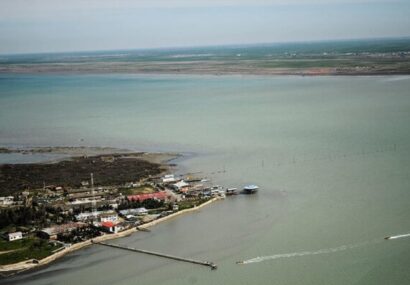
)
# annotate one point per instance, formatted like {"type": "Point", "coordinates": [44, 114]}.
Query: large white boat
{"type": "Point", "coordinates": [250, 189]}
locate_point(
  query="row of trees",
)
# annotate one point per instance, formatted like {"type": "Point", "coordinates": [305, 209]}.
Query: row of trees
{"type": "Point", "coordinates": [148, 204]}
{"type": "Point", "coordinates": [34, 215]}
{"type": "Point", "coordinates": [79, 235]}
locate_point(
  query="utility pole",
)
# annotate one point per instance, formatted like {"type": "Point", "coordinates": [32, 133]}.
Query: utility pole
{"type": "Point", "coordinates": [93, 202]}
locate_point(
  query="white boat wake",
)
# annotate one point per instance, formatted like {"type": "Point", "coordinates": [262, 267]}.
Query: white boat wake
{"type": "Point", "coordinates": [398, 236]}
{"type": "Point", "coordinates": [317, 252]}
{"type": "Point", "coordinates": [305, 253]}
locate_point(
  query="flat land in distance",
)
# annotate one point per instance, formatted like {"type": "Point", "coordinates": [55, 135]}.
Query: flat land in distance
{"type": "Point", "coordinates": [356, 57]}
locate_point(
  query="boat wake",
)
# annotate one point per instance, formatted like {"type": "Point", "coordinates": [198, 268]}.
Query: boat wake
{"type": "Point", "coordinates": [320, 251]}
{"type": "Point", "coordinates": [305, 253]}
{"type": "Point", "coordinates": [398, 236]}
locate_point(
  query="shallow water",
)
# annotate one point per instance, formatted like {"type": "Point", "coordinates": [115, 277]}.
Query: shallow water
{"type": "Point", "coordinates": [331, 155]}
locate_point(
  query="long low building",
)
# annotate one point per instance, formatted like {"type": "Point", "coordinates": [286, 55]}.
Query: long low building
{"type": "Point", "coordinates": [97, 215]}
{"type": "Point", "coordinates": [137, 211]}
{"type": "Point", "coordinates": [162, 195]}
{"type": "Point", "coordinates": [52, 232]}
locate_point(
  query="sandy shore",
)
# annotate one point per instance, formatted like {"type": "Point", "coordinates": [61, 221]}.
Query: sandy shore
{"type": "Point", "coordinates": [11, 269]}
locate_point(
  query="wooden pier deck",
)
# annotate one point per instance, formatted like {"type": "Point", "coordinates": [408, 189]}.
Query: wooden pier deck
{"type": "Point", "coordinates": [212, 265]}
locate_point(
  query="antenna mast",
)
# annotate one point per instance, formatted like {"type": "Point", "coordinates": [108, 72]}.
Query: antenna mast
{"type": "Point", "coordinates": [93, 202]}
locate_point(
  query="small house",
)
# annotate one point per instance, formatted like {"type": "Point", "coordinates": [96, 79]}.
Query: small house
{"type": "Point", "coordinates": [14, 236]}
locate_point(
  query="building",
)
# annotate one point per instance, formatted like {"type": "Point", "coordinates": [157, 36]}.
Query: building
{"type": "Point", "coordinates": [108, 217]}
{"type": "Point", "coordinates": [162, 195]}
{"type": "Point", "coordinates": [87, 216]}
{"type": "Point", "coordinates": [170, 178]}
{"type": "Point", "coordinates": [6, 201]}
{"type": "Point", "coordinates": [181, 186]}
{"type": "Point", "coordinates": [135, 212]}
{"type": "Point", "coordinates": [14, 236]}
{"type": "Point", "coordinates": [54, 231]}
{"type": "Point", "coordinates": [110, 227]}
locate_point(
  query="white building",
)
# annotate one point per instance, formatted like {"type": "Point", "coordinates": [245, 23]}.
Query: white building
{"type": "Point", "coordinates": [6, 201]}
{"type": "Point", "coordinates": [14, 236]}
{"type": "Point", "coordinates": [101, 215]}
{"type": "Point", "coordinates": [181, 186]}
{"type": "Point", "coordinates": [170, 178]}
{"type": "Point", "coordinates": [109, 217]}
{"type": "Point", "coordinates": [87, 216]}
{"type": "Point", "coordinates": [137, 211]}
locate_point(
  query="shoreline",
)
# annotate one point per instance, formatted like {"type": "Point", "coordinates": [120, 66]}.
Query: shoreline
{"type": "Point", "coordinates": [308, 72]}
{"type": "Point", "coordinates": [16, 268]}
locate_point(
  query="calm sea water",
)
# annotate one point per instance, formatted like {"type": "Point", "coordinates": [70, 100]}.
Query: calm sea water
{"type": "Point", "coordinates": [331, 155]}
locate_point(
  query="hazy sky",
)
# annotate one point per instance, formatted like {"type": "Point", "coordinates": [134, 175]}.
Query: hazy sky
{"type": "Point", "coordinates": [75, 25]}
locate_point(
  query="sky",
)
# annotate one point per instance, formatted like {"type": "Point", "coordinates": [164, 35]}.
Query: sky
{"type": "Point", "coordinates": [31, 26]}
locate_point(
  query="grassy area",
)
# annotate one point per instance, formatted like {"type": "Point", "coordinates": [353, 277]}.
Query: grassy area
{"type": "Point", "coordinates": [186, 204]}
{"type": "Point", "coordinates": [18, 244]}
{"type": "Point", "coordinates": [25, 249]}
{"type": "Point", "coordinates": [143, 189]}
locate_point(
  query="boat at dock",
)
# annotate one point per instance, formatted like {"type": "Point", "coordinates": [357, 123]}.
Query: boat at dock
{"type": "Point", "coordinates": [231, 191]}
{"type": "Point", "coordinates": [250, 189]}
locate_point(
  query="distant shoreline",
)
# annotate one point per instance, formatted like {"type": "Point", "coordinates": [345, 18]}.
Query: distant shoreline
{"type": "Point", "coordinates": [308, 72]}
{"type": "Point", "coordinates": [359, 57]}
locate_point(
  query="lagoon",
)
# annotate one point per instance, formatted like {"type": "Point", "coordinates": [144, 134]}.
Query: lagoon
{"type": "Point", "coordinates": [330, 154]}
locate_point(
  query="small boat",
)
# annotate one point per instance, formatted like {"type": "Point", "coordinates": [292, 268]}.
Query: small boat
{"type": "Point", "coordinates": [231, 191]}
{"type": "Point", "coordinates": [250, 189]}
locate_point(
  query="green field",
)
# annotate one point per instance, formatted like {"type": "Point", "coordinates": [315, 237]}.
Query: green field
{"type": "Point", "coordinates": [25, 249]}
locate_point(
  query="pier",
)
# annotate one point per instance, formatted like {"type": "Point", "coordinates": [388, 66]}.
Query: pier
{"type": "Point", "coordinates": [212, 265]}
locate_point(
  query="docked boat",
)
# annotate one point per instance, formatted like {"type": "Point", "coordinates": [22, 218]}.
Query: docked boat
{"type": "Point", "coordinates": [231, 191]}
{"type": "Point", "coordinates": [250, 189]}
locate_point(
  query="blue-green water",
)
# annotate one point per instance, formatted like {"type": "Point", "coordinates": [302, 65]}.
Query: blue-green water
{"type": "Point", "coordinates": [331, 155]}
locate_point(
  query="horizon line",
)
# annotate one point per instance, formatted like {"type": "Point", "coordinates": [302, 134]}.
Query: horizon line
{"type": "Point", "coordinates": [232, 45]}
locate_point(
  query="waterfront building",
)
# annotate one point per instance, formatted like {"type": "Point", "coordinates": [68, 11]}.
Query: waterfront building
{"type": "Point", "coordinates": [110, 227]}
{"type": "Point", "coordinates": [169, 178]}
{"type": "Point", "coordinates": [181, 186]}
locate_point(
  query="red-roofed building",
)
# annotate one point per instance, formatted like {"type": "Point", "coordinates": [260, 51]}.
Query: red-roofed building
{"type": "Point", "coordinates": [108, 224]}
{"type": "Point", "coordinates": [142, 197]}
{"type": "Point", "coordinates": [109, 227]}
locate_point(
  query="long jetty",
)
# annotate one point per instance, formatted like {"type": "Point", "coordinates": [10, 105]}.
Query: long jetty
{"type": "Point", "coordinates": [212, 265]}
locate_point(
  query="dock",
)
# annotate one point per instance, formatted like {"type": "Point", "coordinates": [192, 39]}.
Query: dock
{"type": "Point", "coordinates": [212, 265]}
